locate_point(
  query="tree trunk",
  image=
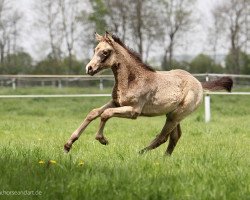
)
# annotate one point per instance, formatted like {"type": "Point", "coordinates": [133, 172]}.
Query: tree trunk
{"type": "Point", "coordinates": [70, 60]}
{"type": "Point", "coordinates": [164, 61]}
{"type": "Point", "coordinates": [139, 25]}
{"type": "Point", "coordinates": [123, 26]}
{"type": "Point", "coordinates": [235, 52]}
{"type": "Point", "coordinates": [1, 53]}
{"type": "Point", "coordinates": [170, 58]}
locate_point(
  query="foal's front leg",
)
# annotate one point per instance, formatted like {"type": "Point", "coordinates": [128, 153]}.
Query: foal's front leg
{"type": "Point", "coordinates": [123, 112]}
{"type": "Point", "coordinates": [90, 117]}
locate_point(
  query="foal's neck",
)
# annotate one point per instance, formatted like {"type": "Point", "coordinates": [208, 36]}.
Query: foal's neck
{"type": "Point", "coordinates": [128, 74]}
{"type": "Point", "coordinates": [128, 69]}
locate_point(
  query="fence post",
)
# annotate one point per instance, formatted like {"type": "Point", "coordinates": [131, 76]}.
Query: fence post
{"type": "Point", "coordinates": [13, 83]}
{"type": "Point", "coordinates": [207, 105]}
{"type": "Point", "coordinates": [207, 108]}
{"type": "Point", "coordinates": [53, 83]}
{"type": "Point", "coordinates": [59, 84]}
{"type": "Point", "coordinates": [101, 84]}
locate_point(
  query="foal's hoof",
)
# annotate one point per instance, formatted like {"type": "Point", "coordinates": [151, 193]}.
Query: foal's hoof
{"type": "Point", "coordinates": [67, 148]}
{"type": "Point", "coordinates": [102, 140]}
{"type": "Point", "coordinates": [143, 151]}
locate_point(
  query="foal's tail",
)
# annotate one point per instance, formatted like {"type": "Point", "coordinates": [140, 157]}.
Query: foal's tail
{"type": "Point", "coordinates": [224, 83]}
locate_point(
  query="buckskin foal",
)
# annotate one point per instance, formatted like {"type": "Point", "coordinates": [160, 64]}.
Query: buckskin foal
{"type": "Point", "coordinates": [141, 91]}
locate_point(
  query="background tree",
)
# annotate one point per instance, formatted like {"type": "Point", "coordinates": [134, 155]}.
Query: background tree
{"type": "Point", "coordinates": [244, 62]}
{"type": "Point", "coordinates": [144, 25]}
{"type": "Point", "coordinates": [215, 32]}
{"type": "Point", "coordinates": [3, 29]}
{"type": "Point", "coordinates": [177, 19]}
{"type": "Point", "coordinates": [52, 66]}
{"type": "Point", "coordinates": [204, 64]}
{"type": "Point", "coordinates": [48, 19]}
{"type": "Point", "coordinates": [19, 63]}
{"type": "Point", "coordinates": [153, 28]}
{"type": "Point", "coordinates": [49, 66]}
{"type": "Point", "coordinates": [69, 10]}
{"type": "Point", "coordinates": [118, 17]}
{"type": "Point", "coordinates": [134, 21]}
{"type": "Point", "coordinates": [11, 54]}
{"type": "Point", "coordinates": [10, 20]}
{"type": "Point", "coordinates": [16, 30]}
{"type": "Point", "coordinates": [98, 16]}
{"type": "Point", "coordinates": [232, 14]}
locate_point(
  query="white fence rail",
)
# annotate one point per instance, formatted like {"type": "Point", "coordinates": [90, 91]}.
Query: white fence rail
{"type": "Point", "coordinates": [52, 95]}
{"type": "Point", "coordinates": [207, 101]}
{"type": "Point", "coordinates": [66, 80]}
{"type": "Point", "coordinates": [14, 81]}
{"type": "Point", "coordinates": [50, 80]}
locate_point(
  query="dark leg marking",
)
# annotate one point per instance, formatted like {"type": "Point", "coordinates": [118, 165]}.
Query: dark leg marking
{"type": "Point", "coordinates": [174, 137]}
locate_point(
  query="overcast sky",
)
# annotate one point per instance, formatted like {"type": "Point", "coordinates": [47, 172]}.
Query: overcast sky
{"type": "Point", "coordinates": [196, 42]}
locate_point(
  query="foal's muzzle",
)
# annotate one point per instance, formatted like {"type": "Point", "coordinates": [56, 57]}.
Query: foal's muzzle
{"type": "Point", "coordinates": [90, 70]}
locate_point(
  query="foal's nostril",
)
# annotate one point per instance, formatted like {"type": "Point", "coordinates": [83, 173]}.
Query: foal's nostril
{"type": "Point", "coordinates": [90, 69]}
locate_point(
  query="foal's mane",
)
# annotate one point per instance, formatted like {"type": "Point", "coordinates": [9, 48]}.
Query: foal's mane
{"type": "Point", "coordinates": [132, 53]}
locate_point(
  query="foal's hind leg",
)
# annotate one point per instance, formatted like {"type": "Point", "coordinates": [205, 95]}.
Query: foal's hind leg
{"type": "Point", "coordinates": [169, 126]}
{"type": "Point", "coordinates": [174, 137]}
{"type": "Point", "coordinates": [187, 106]}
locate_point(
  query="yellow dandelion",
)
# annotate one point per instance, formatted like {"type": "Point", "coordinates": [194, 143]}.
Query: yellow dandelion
{"type": "Point", "coordinates": [81, 163]}
{"type": "Point", "coordinates": [41, 162]}
{"type": "Point", "coordinates": [39, 139]}
{"type": "Point", "coordinates": [52, 162]}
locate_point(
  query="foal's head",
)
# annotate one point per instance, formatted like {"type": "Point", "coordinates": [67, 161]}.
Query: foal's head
{"type": "Point", "coordinates": [104, 55]}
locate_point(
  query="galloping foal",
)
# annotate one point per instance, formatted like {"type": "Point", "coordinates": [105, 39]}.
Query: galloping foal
{"type": "Point", "coordinates": [141, 91]}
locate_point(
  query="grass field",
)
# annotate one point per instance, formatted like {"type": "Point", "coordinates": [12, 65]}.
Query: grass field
{"type": "Point", "coordinates": [211, 161]}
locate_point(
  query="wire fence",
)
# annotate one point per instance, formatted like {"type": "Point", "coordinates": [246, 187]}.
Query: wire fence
{"type": "Point", "coordinates": [59, 81]}
{"type": "Point", "coordinates": [101, 81]}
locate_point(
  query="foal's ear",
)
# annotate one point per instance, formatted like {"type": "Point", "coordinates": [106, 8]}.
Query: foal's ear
{"type": "Point", "coordinates": [98, 37]}
{"type": "Point", "coordinates": [108, 36]}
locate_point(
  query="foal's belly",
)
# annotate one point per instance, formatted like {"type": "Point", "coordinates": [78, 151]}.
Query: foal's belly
{"type": "Point", "coordinates": [160, 107]}
{"type": "Point", "coordinates": [150, 111]}
{"type": "Point", "coordinates": [166, 97]}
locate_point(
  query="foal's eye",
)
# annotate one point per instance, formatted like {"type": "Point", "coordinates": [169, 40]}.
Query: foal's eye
{"type": "Point", "coordinates": [105, 53]}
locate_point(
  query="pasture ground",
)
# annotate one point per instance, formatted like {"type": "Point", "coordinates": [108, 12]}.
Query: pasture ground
{"type": "Point", "coordinates": [211, 161]}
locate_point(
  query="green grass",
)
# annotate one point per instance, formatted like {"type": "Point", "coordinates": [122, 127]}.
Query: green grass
{"type": "Point", "coordinates": [211, 161]}
{"type": "Point", "coordinates": [54, 90]}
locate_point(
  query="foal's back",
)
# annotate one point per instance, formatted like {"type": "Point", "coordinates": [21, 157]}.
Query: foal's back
{"type": "Point", "coordinates": [170, 90]}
